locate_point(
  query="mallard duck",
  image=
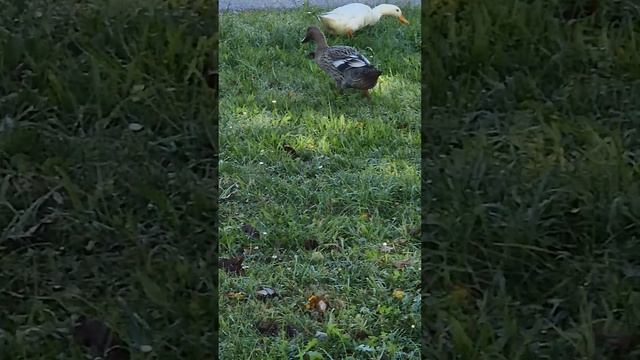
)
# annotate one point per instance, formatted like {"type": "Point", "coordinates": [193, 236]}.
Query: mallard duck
{"type": "Point", "coordinates": [344, 64]}
{"type": "Point", "coordinates": [349, 18]}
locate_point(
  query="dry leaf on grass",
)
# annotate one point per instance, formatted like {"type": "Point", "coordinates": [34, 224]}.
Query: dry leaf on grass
{"type": "Point", "coordinates": [415, 232]}
{"type": "Point", "coordinates": [250, 231]}
{"type": "Point", "coordinates": [291, 331]}
{"type": "Point", "coordinates": [291, 151]}
{"type": "Point", "coordinates": [401, 264]}
{"type": "Point", "coordinates": [249, 250]}
{"type": "Point", "coordinates": [333, 247]}
{"type": "Point", "coordinates": [271, 328]}
{"type": "Point", "coordinates": [236, 295]}
{"type": "Point", "coordinates": [268, 327]}
{"type": "Point", "coordinates": [310, 244]}
{"type": "Point", "coordinates": [317, 305]}
{"type": "Point", "coordinates": [232, 265]}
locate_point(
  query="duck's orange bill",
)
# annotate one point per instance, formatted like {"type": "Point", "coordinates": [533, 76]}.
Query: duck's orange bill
{"type": "Point", "coordinates": [403, 20]}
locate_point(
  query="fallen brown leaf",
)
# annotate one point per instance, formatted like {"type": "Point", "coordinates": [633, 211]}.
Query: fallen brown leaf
{"type": "Point", "coordinates": [248, 250]}
{"type": "Point", "coordinates": [268, 327]}
{"type": "Point", "coordinates": [317, 304]}
{"type": "Point", "coordinates": [401, 264]}
{"type": "Point", "coordinates": [291, 331]}
{"type": "Point", "coordinates": [333, 247]}
{"type": "Point", "coordinates": [232, 265]}
{"type": "Point", "coordinates": [310, 244]}
{"type": "Point", "coordinates": [291, 151]}
{"type": "Point", "coordinates": [250, 231]}
{"type": "Point", "coordinates": [415, 232]}
{"type": "Point", "coordinates": [236, 295]}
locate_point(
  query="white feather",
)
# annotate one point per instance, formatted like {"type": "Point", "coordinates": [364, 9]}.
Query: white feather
{"type": "Point", "coordinates": [353, 61]}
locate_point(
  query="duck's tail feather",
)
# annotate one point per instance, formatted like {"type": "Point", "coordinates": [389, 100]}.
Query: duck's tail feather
{"type": "Point", "coordinates": [362, 78]}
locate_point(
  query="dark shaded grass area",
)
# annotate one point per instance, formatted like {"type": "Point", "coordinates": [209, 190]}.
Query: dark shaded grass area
{"type": "Point", "coordinates": [532, 189]}
{"type": "Point", "coordinates": [98, 216]}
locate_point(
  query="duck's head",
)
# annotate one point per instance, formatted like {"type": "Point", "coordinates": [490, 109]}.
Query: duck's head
{"type": "Point", "coordinates": [391, 10]}
{"type": "Point", "coordinates": [313, 34]}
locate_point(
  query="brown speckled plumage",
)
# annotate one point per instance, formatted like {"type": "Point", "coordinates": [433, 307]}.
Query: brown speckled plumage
{"type": "Point", "coordinates": [347, 67]}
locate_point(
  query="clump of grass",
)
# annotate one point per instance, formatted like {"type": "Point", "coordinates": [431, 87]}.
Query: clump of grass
{"type": "Point", "coordinates": [106, 171]}
{"type": "Point", "coordinates": [533, 184]}
{"type": "Point", "coordinates": [348, 182]}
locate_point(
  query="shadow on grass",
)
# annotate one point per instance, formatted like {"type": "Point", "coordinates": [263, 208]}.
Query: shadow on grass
{"type": "Point", "coordinates": [106, 176]}
{"type": "Point", "coordinates": [533, 194]}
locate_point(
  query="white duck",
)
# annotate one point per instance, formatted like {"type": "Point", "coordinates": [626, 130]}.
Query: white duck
{"type": "Point", "coordinates": [351, 17]}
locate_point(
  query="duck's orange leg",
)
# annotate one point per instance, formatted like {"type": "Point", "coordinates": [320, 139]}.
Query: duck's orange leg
{"type": "Point", "coordinates": [350, 33]}
{"type": "Point", "coordinates": [366, 94]}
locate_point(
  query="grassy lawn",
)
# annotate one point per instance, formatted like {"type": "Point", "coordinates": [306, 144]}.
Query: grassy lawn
{"type": "Point", "coordinates": [107, 182]}
{"type": "Point", "coordinates": [334, 214]}
{"type": "Point", "coordinates": [532, 164]}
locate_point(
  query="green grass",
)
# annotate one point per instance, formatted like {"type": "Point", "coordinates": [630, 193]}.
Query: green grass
{"type": "Point", "coordinates": [532, 171]}
{"type": "Point", "coordinates": [354, 186]}
{"type": "Point", "coordinates": [95, 218]}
